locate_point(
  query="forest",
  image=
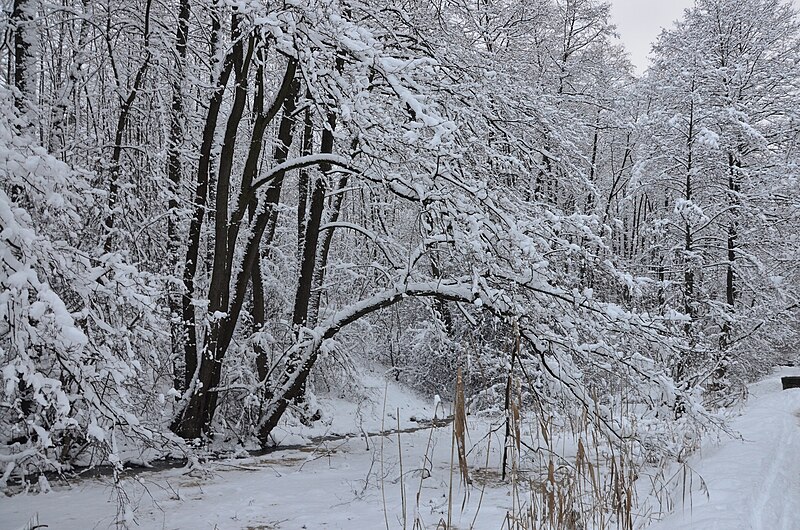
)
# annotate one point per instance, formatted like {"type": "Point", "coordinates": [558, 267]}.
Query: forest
{"type": "Point", "coordinates": [217, 215]}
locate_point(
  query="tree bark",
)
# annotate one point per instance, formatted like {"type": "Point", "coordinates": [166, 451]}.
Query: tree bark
{"type": "Point", "coordinates": [122, 123]}
{"type": "Point", "coordinates": [196, 419]}
{"type": "Point", "coordinates": [174, 174]}
{"type": "Point", "coordinates": [22, 19]}
{"type": "Point", "coordinates": [190, 346]}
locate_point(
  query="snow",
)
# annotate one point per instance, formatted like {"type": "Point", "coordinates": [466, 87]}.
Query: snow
{"type": "Point", "coordinates": [337, 483]}
{"type": "Point", "coordinates": [753, 483]}
{"type": "Point", "coordinates": [363, 481]}
{"type": "Point", "coordinates": [95, 431]}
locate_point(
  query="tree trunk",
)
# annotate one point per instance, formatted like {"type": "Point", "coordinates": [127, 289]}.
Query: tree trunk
{"type": "Point", "coordinates": [688, 268]}
{"type": "Point", "coordinates": [174, 170]}
{"type": "Point", "coordinates": [58, 114]}
{"type": "Point", "coordinates": [199, 412]}
{"type": "Point", "coordinates": [22, 19]}
{"type": "Point", "coordinates": [183, 425]}
{"type": "Point", "coordinates": [733, 189]}
{"type": "Point", "coordinates": [122, 123]}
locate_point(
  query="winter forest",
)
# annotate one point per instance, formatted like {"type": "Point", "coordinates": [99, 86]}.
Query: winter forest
{"type": "Point", "coordinates": [456, 258]}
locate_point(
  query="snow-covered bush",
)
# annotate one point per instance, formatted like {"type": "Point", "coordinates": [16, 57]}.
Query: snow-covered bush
{"type": "Point", "coordinates": [79, 329]}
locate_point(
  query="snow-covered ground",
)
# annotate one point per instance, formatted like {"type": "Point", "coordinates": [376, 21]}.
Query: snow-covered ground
{"type": "Point", "coordinates": [360, 482]}
{"type": "Point", "coordinates": [752, 483]}
{"type": "Point", "coordinates": [380, 482]}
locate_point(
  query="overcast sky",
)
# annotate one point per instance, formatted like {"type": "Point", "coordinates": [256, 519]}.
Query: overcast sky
{"type": "Point", "coordinates": [640, 21]}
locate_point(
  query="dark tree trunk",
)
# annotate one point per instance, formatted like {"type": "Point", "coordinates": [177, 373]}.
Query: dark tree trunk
{"type": "Point", "coordinates": [22, 17]}
{"type": "Point", "coordinates": [199, 412]}
{"type": "Point", "coordinates": [174, 173]}
{"type": "Point", "coordinates": [733, 189]}
{"type": "Point", "coordinates": [220, 275]}
{"type": "Point", "coordinates": [590, 202]}
{"type": "Point", "coordinates": [122, 123]}
{"type": "Point", "coordinates": [688, 270]}
{"type": "Point", "coordinates": [57, 142]}
{"type": "Point", "coordinates": [312, 264]}
{"type": "Point", "coordinates": [200, 409]}
{"type": "Point", "coordinates": [310, 268]}
{"type": "Point", "coordinates": [188, 425]}
{"type": "Point", "coordinates": [302, 184]}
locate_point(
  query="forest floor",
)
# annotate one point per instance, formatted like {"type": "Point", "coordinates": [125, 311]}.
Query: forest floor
{"type": "Point", "coordinates": [371, 481]}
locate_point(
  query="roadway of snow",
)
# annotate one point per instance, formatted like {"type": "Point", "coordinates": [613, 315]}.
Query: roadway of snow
{"type": "Point", "coordinates": [753, 483]}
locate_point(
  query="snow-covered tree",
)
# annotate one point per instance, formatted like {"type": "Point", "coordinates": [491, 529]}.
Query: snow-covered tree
{"type": "Point", "coordinates": [716, 172]}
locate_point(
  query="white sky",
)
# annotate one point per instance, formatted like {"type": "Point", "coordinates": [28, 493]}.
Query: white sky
{"type": "Point", "coordinates": [640, 21]}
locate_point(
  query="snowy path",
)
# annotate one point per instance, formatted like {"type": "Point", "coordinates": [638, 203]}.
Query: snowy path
{"type": "Point", "coordinates": [753, 483]}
